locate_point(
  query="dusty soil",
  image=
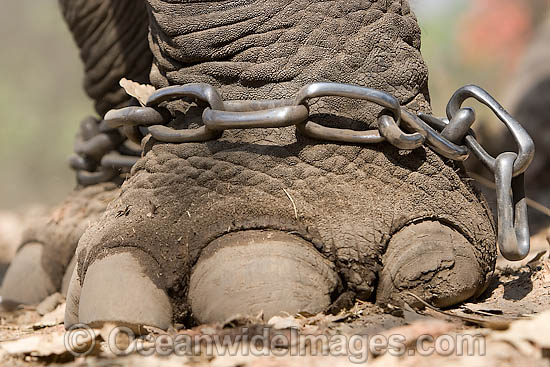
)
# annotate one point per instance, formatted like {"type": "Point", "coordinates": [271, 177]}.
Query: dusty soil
{"type": "Point", "coordinates": [510, 321]}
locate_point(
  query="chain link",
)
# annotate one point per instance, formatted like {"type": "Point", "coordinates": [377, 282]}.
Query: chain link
{"type": "Point", "coordinates": [526, 147]}
{"type": "Point", "coordinates": [97, 157]}
{"type": "Point", "coordinates": [513, 228]}
{"type": "Point", "coordinates": [102, 153]}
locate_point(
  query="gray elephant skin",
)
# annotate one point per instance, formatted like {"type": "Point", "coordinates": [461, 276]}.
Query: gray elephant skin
{"type": "Point", "coordinates": [269, 220]}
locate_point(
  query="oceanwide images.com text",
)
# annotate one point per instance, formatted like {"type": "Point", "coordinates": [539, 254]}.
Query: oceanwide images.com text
{"type": "Point", "coordinates": [80, 340]}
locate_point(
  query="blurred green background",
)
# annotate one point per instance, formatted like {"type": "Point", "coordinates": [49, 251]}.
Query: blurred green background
{"type": "Point", "coordinates": [42, 102]}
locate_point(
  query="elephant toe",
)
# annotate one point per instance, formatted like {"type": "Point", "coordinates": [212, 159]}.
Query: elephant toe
{"type": "Point", "coordinates": [116, 289]}
{"type": "Point", "coordinates": [432, 261]}
{"type": "Point", "coordinates": [65, 282]}
{"type": "Point", "coordinates": [27, 267]}
{"type": "Point", "coordinates": [73, 299]}
{"type": "Point", "coordinates": [253, 272]}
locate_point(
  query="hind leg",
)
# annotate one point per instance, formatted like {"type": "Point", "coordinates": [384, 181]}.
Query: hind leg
{"type": "Point", "coordinates": [43, 265]}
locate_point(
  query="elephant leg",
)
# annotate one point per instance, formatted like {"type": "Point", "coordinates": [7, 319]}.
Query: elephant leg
{"type": "Point", "coordinates": [432, 261]}
{"type": "Point", "coordinates": [271, 273]}
{"type": "Point", "coordinates": [26, 265]}
{"type": "Point", "coordinates": [112, 39]}
{"type": "Point", "coordinates": [226, 226]}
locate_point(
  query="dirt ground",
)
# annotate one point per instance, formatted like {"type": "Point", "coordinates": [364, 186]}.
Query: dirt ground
{"type": "Point", "coordinates": [509, 325]}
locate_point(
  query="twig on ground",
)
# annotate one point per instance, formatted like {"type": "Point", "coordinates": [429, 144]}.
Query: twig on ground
{"type": "Point", "coordinates": [492, 324]}
{"type": "Point", "coordinates": [293, 204]}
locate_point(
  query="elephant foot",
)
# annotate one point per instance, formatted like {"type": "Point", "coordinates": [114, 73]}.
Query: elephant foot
{"type": "Point", "coordinates": [117, 289]}
{"type": "Point", "coordinates": [26, 266]}
{"type": "Point", "coordinates": [253, 272]}
{"type": "Point", "coordinates": [432, 261]}
{"type": "Point", "coordinates": [45, 261]}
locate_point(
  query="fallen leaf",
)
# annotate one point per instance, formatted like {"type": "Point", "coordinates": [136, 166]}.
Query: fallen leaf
{"type": "Point", "coordinates": [41, 345]}
{"type": "Point", "coordinates": [155, 330]}
{"type": "Point", "coordinates": [287, 322]}
{"type": "Point", "coordinates": [492, 322]}
{"type": "Point", "coordinates": [480, 309]}
{"type": "Point", "coordinates": [535, 260]}
{"type": "Point", "coordinates": [139, 91]}
{"type": "Point", "coordinates": [412, 332]}
{"type": "Point", "coordinates": [53, 318]}
{"type": "Point", "coordinates": [522, 334]}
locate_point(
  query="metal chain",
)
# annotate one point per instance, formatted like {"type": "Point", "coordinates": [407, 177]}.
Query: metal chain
{"type": "Point", "coordinates": [102, 154]}
{"type": "Point", "coordinates": [452, 137]}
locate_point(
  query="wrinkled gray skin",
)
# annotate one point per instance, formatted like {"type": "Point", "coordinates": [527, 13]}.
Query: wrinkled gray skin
{"type": "Point", "coordinates": [211, 224]}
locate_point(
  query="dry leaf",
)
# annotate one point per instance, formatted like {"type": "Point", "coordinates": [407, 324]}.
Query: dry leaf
{"type": "Point", "coordinates": [53, 318]}
{"type": "Point", "coordinates": [491, 322]}
{"type": "Point", "coordinates": [526, 332]}
{"type": "Point", "coordinates": [139, 91]}
{"type": "Point", "coordinates": [323, 319]}
{"type": "Point", "coordinates": [412, 332]}
{"type": "Point", "coordinates": [288, 322]}
{"type": "Point", "coordinates": [41, 345]}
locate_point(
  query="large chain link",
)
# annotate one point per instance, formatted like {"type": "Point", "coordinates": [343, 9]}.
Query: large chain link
{"type": "Point", "coordinates": [452, 137]}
